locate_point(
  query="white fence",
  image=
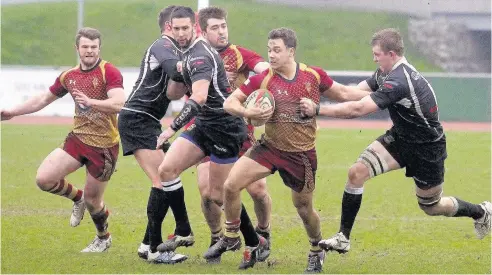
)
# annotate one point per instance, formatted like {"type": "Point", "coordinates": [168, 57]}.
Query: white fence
{"type": "Point", "coordinates": [20, 83]}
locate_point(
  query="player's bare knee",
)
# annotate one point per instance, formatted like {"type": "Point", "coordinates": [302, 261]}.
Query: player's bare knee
{"type": "Point", "coordinates": [302, 207]}
{"type": "Point", "coordinates": [358, 174]}
{"type": "Point", "coordinates": [168, 172]}
{"type": "Point", "coordinates": [369, 164]}
{"type": "Point", "coordinates": [207, 202]}
{"type": "Point", "coordinates": [44, 182]}
{"type": "Point", "coordinates": [257, 191]}
{"type": "Point", "coordinates": [93, 204]}
{"type": "Point", "coordinates": [231, 187]}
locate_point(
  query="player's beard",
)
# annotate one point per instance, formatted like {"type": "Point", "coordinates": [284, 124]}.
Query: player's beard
{"type": "Point", "coordinates": [89, 62]}
{"type": "Point", "coordinates": [187, 43]}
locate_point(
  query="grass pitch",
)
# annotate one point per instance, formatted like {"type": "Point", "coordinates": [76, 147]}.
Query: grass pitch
{"type": "Point", "coordinates": [391, 234]}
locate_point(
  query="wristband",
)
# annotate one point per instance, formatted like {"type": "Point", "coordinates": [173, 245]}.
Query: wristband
{"type": "Point", "coordinates": [189, 111]}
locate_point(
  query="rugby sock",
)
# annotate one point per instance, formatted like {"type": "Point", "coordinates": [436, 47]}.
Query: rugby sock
{"type": "Point", "coordinates": [65, 189]}
{"type": "Point", "coordinates": [100, 220]}
{"type": "Point", "coordinates": [156, 211]}
{"type": "Point", "coordinates": [232, 229]}
{"type": "Point", "coordinates": [352, 198]}
{"type": "Point", "coordinates": [215, 236]}
{"type": "Point", "coordinates": [264, 232]}
{"type": "Point", "coordinates": [146, 236]}
{"type": "Point", "coordinates": [466, 209]}
{"type": "Point", "coordinates": [314, 243]}
{"type": "Point", "coordinates": [175, 194]}
{"type": "Point", "coordinates": [246, 227]}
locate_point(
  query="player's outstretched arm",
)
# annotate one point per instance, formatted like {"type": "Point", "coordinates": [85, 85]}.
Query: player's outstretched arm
{"type": "Point", "coordinates": [363, 85]}
{"type": "Point", "coordinates": [31, 105]}
{"type": "Point", "coordinates": [343, 93]}
{"type": "Point", "coordinates": [350, 109]}
{"type": "Point", "coordinates": [114, 103]}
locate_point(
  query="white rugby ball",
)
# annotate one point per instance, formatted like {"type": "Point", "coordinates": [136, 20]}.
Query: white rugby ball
{"type": "Point", "coordinates": [260, 98]}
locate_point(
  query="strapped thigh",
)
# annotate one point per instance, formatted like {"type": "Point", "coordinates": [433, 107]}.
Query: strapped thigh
{"type": "Point", "coordinates": [374, 162]}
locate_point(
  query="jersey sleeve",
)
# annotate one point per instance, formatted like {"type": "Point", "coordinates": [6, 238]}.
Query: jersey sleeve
{"type": "Point", "coordinates": [114, 79]}
{"type": "Point", "coordinates": [57, 88]}
{"type": "Point", "coordinates": [250, 58]}
{"type": "Point", "coordinates": [325, 81]}
{"type": "Point", "coordinates": [389, 93]}
{"type": "Point", "coordinates": [253, 83]}
{"type": "Point", "coordinates": [201, 67]}
{"type": "Point", "coordinates": [163, 50]}
{"type": "Point", "coordinates": [373, 81]}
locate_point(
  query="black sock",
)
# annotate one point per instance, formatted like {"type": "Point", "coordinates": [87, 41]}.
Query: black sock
{"type": "Point", "coordinates": [247, 229]}
{"type": "Point", "coordinates": [156, 211]}
{"type": "Point", "coordinates": [350, 208]}
{"type": "Point", "coordinates": [146, 236]}
{"type": "Point", "coordinates": [178, 206]}
{"type": "Point", "coordinates": [466, 209]}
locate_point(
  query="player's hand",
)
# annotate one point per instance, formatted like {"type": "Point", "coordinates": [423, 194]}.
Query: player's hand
{"type": "Point", "coordinates": [164, 136]}
{"type": "Point", "coordinates": [6, 115]}
{"type": "Point", "coordinates": [308, 107]}
{"type": "Point", "coordinates": [179, 66]}
{"type": "Point", "coordinates": [81, 98]}
{"type": "Point", "coordinates": [231, 76]}
{"type": "Point", "coordinates": [258, 113]}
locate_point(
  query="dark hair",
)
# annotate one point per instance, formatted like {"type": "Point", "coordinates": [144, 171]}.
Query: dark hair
{"type": "Point", "coordinates": [183, 12]}
{"type": "Point", "coordinates": [287, 35]}
{"type": "Point", "coordinates": [389, 40]}
{"type": "Point", "coordinates": [165, 16]}
{"type": "Point", "coordinates": [208, 13]}
{"type": "Point", "coordinates": [87, 32]}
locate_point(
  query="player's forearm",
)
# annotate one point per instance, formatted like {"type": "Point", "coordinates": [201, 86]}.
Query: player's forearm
{"type": "Point", "coordinates": [109, 106]}
{"type": "Point", "coordinates": [175, 90]}
{"type": "Point", "coordinates": [349, 109]}
{"type": "Point", "coordinates": [233, 106]}
{"type": "Point", "coordinates": [31, 105]}
{"type": "Point", "coordinates": [353, 93]}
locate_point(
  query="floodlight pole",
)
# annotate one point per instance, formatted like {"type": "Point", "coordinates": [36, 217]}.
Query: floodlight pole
{"type": "Point", "coordinates": [202, 4]}
{"type": "Point", "coordinates": [80, 20]}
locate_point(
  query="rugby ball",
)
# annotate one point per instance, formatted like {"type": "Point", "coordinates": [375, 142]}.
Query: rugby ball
{"type": "Point", "coordinates": [260, 98]}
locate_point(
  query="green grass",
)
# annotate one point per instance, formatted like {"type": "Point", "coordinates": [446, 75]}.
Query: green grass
{"type": "Point", "coordinates": [43, 34]}
{"type": "Point", "coordinates": [391, 235]}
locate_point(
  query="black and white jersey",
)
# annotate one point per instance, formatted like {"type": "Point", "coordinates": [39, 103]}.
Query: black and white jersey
{"type": "Point", "coordinates": [411, 102]}
{"type": "Point", "coordinates": [158, 65]}
{"type": "Point", "coordinates": [201, 61]}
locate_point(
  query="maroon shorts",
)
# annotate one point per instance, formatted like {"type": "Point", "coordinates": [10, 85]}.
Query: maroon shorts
{"type": "Point", "coordinates": [100, 162]}
{"type": "Point", "coordinates": [297, 169]}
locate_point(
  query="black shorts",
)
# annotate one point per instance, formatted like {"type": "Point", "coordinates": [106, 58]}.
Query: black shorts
{"type": "Point", "coordinates": [424, 162]}
{"type": "Point", "coordinates": [222, 142]}
{"type": "Point", "coordinates": [137, 131]}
